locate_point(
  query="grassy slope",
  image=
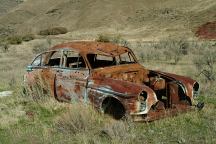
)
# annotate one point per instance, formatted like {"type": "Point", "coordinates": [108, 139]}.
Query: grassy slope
{"type": "Point", "coordinates": [53, 122]}
{"type": "Point", "coordinates": [137, 19]}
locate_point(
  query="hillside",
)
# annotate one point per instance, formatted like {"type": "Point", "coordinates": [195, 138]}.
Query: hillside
{"type": "Point", "coordinates": [145, 19]}
{"type": "Point", "coordinates": [6, 5]}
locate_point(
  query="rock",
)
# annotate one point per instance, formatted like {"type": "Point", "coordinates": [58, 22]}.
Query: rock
{"type": "Point", "coordinates": [5, 93]}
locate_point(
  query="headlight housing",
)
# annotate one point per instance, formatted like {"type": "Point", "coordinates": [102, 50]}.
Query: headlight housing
{"type": "Point", "coordinates": [142, 98]}
{"type": "Point", "coordinates": [195, 90]}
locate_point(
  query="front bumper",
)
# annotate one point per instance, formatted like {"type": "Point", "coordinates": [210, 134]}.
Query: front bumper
{"type": "Point", "coordinates": [155, 114]}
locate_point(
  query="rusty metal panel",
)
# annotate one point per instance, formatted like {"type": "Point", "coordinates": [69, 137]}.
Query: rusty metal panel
{"type": "Point", "coordinates": [173, 93]}
{"type": "Point", "coordinates": [71, 85]}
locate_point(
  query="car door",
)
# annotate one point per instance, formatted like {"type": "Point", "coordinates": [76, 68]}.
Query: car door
{"type": "Point", "coordinates": [44, 68]}
{"type": "Point", "coordinates": [71, 79]}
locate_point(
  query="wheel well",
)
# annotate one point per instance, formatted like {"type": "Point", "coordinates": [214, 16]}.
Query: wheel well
{"type": "Point", "coordinates": [113, 107]}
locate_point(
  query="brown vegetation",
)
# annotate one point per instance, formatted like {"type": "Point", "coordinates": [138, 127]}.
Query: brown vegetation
{"type": "Point", "coordinates": [207, 31]}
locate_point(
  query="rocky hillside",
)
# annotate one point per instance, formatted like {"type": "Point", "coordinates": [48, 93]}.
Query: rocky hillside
{"type": "Point", "coordinates": [146, 19]}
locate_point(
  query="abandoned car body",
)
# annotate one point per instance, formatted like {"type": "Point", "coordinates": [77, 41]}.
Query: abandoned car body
{"type": "Point", "coordinates": [111, 79]}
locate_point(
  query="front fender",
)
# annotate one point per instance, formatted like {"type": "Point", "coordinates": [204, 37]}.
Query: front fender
{"type": "Point", "coordinates": [126, 92]}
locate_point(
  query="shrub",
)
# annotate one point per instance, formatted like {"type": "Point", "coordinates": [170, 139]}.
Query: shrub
{"type": "Point", "coordinates": [53, 31]}
{"type": "Point", "coordinates": [28, 37]}
{"type": "Point", "coordinates": [172, 50]}
{"type": "Point", "coordinates": [116, 39]}
{"type": "Point", "coordinates": [206, 61]}
{"type": "Point", "coordinates": [16, 39]}
{"type": "Point", "coordinates": [175, 49]}
{"type": "Point", "coordinates": [103, 38]}
{"type": "Point", "coordinates": [83, 124]}
{"type": "Point", "coordinates": [80, 118]}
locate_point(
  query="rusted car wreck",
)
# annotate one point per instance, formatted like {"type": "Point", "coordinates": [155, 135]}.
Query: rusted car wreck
{"type": "Point", "coordinates": [110, 78]}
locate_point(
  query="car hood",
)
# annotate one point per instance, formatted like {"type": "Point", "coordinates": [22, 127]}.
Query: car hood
{"type": "Point", "coordinates": [138, 74]}
{"type": "Point", "coordinates": [135, 73]}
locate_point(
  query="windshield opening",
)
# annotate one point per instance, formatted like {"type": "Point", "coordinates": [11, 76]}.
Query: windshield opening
{"type": "Point", "coordinates": [98, 61]}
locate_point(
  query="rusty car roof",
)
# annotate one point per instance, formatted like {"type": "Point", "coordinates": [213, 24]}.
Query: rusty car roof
{"type": "Point", "coordinates": [87, 47]}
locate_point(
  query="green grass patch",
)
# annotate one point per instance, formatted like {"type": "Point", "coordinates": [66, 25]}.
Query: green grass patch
{"type": "Point", "coordinates": [54, 122]}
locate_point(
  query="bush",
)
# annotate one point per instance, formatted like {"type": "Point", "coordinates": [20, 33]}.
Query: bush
{"type": "Point", "coordinates": [116, 39]}
{"type": "Point", "coordinates": [175, 49]}
{"type": "Point", "coordinates": [28, 37]}
{"type": "Point", "coordinates": [16, 39]}
{"type": "Point", "coordinates": [103, 38]}
{"type": "Point", "coordinates": [172, 50]}
{"type": "Point", "coordinates": [53, 31]}
{"type": "Point", "coordinates": [205, 62]}
{"type": "Point", "coordinates": [80, 118]}
{"type": "Point", "coordinates": [85, 125]}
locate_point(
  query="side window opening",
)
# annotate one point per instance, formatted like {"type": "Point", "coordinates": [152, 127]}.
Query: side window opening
{"type": "Point", "coordinates": [55, 59]}
{"type": "Point", "coordinates": [97, 61]}
{"type": "Point", "coordinates": [39, 60]}
{"type": "Point", "coordinates": [73, 60]}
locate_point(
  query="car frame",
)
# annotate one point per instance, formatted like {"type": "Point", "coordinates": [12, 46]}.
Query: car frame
{"type": "Point", "coordinates": [110, 78]}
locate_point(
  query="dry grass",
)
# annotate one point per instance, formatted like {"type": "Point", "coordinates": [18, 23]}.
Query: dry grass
{"type": "Point", "coordinates": [24, 120]}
